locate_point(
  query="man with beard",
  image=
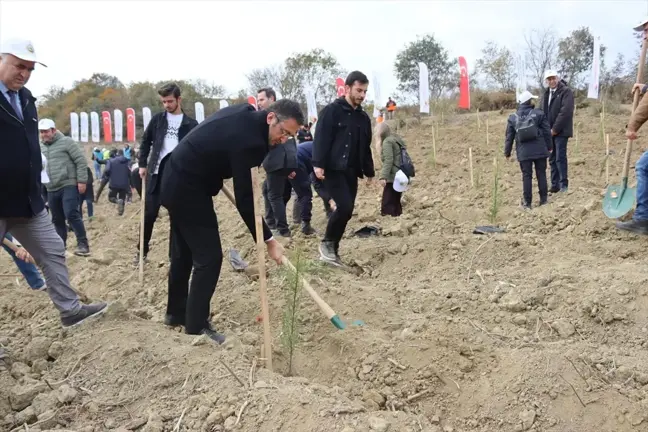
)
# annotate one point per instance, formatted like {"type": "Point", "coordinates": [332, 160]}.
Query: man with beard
{"type": "Point", "coordinates": [226, 145]}
{"type": "Point", "coordinates": [341, 155]}
{"type": "Point", "coordinates": [162, 135]}
{"type": "Point", "coordinates": [280, 165]}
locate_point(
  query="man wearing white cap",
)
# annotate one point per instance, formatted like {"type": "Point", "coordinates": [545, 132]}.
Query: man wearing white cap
{"type": "Point", "coordinates": [22, 209]}
{"type": "Point", "coordinates": [558, 106]}
{"type": "Point", "coordinates": [529, 128]}
{"type": "Point", "coordinates": [639, 222]}
{"type": "Point", "coordinates": [67, 169]}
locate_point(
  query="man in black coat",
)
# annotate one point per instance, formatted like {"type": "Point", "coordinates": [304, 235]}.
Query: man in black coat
{"type": "Point", "coordinates": [280, 165]}
{"type": "Point", "coordinates": [22, 208]}
{"type": "Point", "coordinates": [341, 155]}
{"type": "Point", "coordinates": [162, 135]}
{"type": "Point", "coordinates": [529, 128]}
{"type": "Point", "coordinates": [558, 106]}
{"type": "Point", "coordinates": [226, 145]}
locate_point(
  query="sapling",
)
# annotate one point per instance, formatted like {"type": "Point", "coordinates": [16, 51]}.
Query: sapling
{"type": "Point", "coordinates": [495, 203]}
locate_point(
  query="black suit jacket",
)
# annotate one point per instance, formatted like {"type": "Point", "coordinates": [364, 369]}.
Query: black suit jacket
{"type": "Point", "coordinates": [20, 163]}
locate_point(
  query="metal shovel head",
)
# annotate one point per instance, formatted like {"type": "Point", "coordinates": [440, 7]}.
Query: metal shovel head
{"type": "Point", "coordinates": [618, 201]}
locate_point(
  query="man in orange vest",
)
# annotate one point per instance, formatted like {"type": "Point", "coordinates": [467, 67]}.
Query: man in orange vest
{"type": "Point", "coordinates": [391, 107]}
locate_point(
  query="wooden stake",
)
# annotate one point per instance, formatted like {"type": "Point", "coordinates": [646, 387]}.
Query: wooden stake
{"type": "Point", "coordinates": [487, 141]}
{"type": "Point", "coordinates": [263, 292]}
{"type": "Point", "coordinates": [470, 161]}
{"type": "Point", "coordinates": [141, 249]}
{"type": "Point", "coordinates": [478, 121]}
{"type": "Point", "coordinates": [433, 145]}
{"type": "Point", "coordinates": [607, 159]}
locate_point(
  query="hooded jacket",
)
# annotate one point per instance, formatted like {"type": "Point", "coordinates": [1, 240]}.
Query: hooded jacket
{"type": "Point", "coordinates": [340, 127]}
{"type": "Point", "coordinates": [118, 172]}
{"type": "Point", "coordinates": [66, 163]}
{"type": "Point", "coordinates": [533, 149]}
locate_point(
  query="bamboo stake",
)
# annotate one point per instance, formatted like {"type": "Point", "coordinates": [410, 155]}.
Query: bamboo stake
{"type": "Point", "coordinates": [433, 145]}
{"type": "Point", "coordinates": [263, 292]}
{"type": "Point", "coordinates": [478, 121]}
{"type": "Point", "coordinates": [607, 159]}
{"type": "Point", "coordinates": [487, 140]}
{"type": "Point", "coordinates": [470, 161]}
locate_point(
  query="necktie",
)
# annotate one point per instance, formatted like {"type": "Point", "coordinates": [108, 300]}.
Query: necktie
{"type": "Point", "coordinates": [13, 97]}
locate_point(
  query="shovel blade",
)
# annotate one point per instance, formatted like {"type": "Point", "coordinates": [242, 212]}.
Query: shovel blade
{"type": "Point", "coordinates": [618, 201]}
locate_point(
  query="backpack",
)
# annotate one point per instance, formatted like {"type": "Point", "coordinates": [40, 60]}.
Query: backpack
{"type": "Point", "coordinates": [407, 166]}
{"type": "Point", "coordinates": [526, 128]}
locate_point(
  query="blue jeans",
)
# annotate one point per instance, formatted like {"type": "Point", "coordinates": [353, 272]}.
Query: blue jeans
{"type": "Point", "coordinates": [558, 162]}
{"type": "Point", "coordinates": [64, 205]}
{"type": "Point", "coordinates": [29, 270]}
{"type": "Point", "coordinates": [641, 169]}
{"type": "Point", "coordinates": [97, 168]}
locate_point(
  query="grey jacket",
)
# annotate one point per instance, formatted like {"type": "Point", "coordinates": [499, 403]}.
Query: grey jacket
{"type": "Point", "coordinates": [66, 163]}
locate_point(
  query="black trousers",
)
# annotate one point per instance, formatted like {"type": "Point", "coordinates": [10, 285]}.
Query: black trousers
{"type": "Point", "coordinates": [120, 194]}
{"type": "Point", "coordinates": [527, 178]}
{"type": "Point", "coordinates": [343, 188]}
{"type": "Point", "coordinates": [152, 205]}
{"type": "Point", "coordinates": [194, 244]}
{"type": "Point", "coordinates": [558, 162]}
{"type": "Point", "coordinates": [276, 194]}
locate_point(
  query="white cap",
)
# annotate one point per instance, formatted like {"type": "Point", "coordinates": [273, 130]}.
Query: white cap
{"type": "Point", "coordinates": [526, 96]}
{"type": "Point", "coordinates": [46, 124]}
{"type": "Point", "coordinates": [550, 73]}
{"type": "Point", "coordinates": [401, 182]}
{"type": "Point", "coordinates": [640, 26]}
{"type": "Point", "coordinates": [21, 48]}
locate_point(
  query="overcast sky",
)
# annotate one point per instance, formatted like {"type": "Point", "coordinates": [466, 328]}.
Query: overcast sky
{"type": "Point", "coordinates": [220, 41]}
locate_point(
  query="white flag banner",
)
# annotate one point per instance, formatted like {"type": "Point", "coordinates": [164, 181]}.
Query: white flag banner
{"type": "Point", "coordinates": [200, 112]}
{"type": "Point", "coordinates": [593, 89]}
{"type": "Point", "coordinates": [311, 105]}
{"type": "Point", "coordinates": [74, 126]}
{"type": "Point", "coordinates": [424, 88]}
{"type": "Point", "coordinates": [146, 116]}
{"type": "Point", "coordinates": [84, 127]}
{"type": "Point", "coordinates": [119, 125]}
{"type": "Point", "coordinates": [223, 104]}
{"type": "Point", "coordinates": [378, 101]}
{"type": "Point", "coordinates": [94, 123]}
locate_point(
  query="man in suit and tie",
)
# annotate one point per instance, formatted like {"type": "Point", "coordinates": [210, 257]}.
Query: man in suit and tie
{"type": "Point", "coordinates": [22, 208]}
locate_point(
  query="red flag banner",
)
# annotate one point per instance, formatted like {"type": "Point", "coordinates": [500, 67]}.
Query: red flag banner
{"type": "Point", "coordinates": [130, 125]}
{"type": "Point", "coordinates": [107, 126]}
{"type": "Point", "coordinates": [253, 101]}
{"type": "Point", "coordinates": [339, 84]}
{"type": "Point", "coordinates": [464, 85]}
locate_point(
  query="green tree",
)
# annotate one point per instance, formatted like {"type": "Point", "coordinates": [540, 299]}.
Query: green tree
{"type": "Point", "coordinates": [427, 50]}
{"type": "Point", "coordinates": [498, 66]}
{"type": "Point", "coordinates": [575, 56]}
{"type": "Point", "coordinates": [315, 68]}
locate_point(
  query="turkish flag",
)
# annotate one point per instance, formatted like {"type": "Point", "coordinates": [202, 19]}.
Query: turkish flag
{"type": "Point", "coordinates": [253, 101]}
{"type": "Point", "coordinates": [339, 84]}
{"type": "Point", "coordinates": [130, 124]}
{"type": "Point", "coordinates": [107, 126]}
{"type": "Point", "coordinates": [464, 85]}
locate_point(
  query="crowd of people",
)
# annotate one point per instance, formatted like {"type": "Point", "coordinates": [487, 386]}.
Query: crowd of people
{"type": "Point", "coordinates": [181, 165]}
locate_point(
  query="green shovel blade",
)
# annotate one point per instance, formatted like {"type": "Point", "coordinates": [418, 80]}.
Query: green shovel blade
{"type": "Point", "coordinates": [619, 200]}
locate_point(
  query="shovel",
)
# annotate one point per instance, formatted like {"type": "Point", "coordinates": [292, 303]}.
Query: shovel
{"type": "Point", "coordinates": [620, 199]}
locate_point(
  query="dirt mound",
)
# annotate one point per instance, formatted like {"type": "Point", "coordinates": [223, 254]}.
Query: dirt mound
{"type": "Point", "coordinates": [541, 327]}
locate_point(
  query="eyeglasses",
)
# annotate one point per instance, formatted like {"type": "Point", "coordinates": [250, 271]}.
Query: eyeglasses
{"type": "Point", "coordinates": [284, 132]}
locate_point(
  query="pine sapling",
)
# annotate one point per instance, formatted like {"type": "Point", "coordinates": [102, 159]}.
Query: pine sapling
{"type": "Point", "coordinates": [495, 202]}
{"type": "Point", "coordinates": [290, 318]}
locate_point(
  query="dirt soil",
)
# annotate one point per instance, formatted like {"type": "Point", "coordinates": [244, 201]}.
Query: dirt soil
{"type": "Point", "coordinates": [543, 327]}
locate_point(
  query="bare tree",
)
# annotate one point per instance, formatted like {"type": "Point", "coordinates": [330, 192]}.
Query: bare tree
{"type": "Point", "coordinates": [541, 51]}
{"type": "Point", "coordinates": [498, 66]}
{"type": "Point", "coordinates": [273, 76]}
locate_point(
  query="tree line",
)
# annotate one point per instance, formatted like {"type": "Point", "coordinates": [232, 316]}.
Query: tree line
{"type": "Point", "coordinates": [496, 71]}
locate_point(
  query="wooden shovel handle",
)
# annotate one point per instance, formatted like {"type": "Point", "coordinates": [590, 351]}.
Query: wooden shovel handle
{"type": "Point", "coordinates": [635, 102]}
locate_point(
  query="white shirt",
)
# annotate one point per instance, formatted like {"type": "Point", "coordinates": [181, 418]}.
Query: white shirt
{"type": "Point", "coordinates": [44, 177]}
{"type": "Point", "coordinates": [171, 138]}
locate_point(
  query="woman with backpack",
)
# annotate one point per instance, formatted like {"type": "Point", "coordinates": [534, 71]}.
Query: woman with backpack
{"type": "Point", "coordinates": [392, 178]}
{"type": "Point", "coordinates": [529, 128]}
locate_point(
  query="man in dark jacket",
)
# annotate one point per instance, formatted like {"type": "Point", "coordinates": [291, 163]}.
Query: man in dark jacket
{"type": "Point", "coordinates": [226, 145]}
{"type": "Point", "coordinates": [118, 173]}
{"type": "Point", "coordinates": [530, 130]}
{"type": "Point", "coordinates": [162, 135]}
{"type": "Point", "coordinates": [304, 177]}
{"type": "Point", "coordinates": [558, 106]}
{"type": "Point", "coordinates": [279, 165]}
{"type": "Point", "coordinates": [341, 155]}
{"type": "Point", "coordinates": [22, 209]}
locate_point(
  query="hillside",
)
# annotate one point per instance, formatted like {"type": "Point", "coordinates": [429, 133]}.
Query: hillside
{"type": "Point", "coordinates": [542, 327]}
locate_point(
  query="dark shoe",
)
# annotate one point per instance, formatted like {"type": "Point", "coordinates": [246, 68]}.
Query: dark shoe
{"type": "Point", "coordinates": [307, 229]}
{"type": "Point", "coordinates": [120, 207]}
{"type": "Point", "coordinates": [136, 260]}
{"type": "Point", "coordinates": [525, 205]}
{"type": "Point", "coordinates": [285, 233]}
{"type": "Point", "coordinates": [328, 252]}
{"type": "Point", "coordinates": [543, 202]}
{"type": "Point", "coordinates": [112, 200]}
{"type": "Point", "coordinates": [82, 250]}
{"type": "Point", "coordinates": [173, 320]}
{"type": "Point", "coordinates": [86, 312]}
{"type": "Point", "coordinates": [564, 189]}
{"type": "Point", "coordinates": [554, 190]}
{"type": "Point", "coordinates": [634, 226]}
{"type": "Point", "coordinates": [213, 335]}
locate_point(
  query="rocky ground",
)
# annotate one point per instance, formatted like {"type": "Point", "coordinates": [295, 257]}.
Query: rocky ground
{"type": "Point", "coordinates": [543, 327]}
